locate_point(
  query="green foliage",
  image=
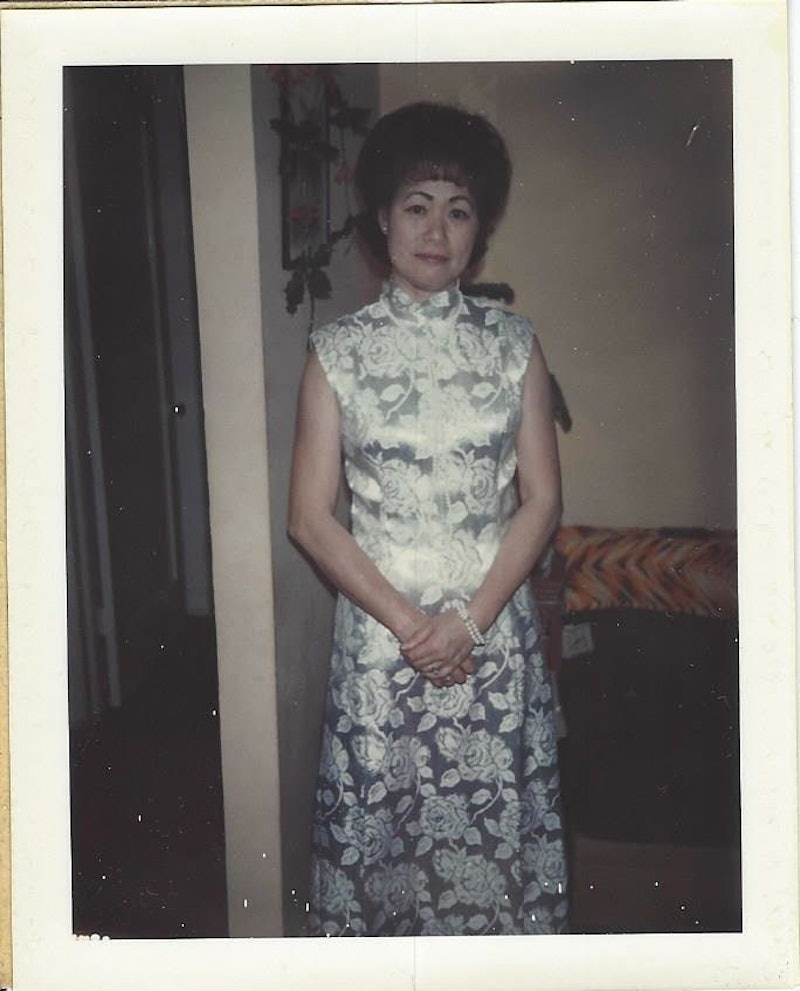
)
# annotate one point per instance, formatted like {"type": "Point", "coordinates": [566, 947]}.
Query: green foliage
{"type": "Point", "coordinates": [306, 148]}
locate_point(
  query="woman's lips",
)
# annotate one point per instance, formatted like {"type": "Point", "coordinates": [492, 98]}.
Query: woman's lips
{"type": "Point", "coordinates": [432, 259]}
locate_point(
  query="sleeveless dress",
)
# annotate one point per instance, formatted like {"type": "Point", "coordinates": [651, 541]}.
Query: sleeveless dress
{"type": "Point", "coordinates": [437, 810]}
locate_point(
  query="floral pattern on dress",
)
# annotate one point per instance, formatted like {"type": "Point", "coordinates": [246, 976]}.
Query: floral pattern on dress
{"type": "Point", "coordinates": [437, 809]}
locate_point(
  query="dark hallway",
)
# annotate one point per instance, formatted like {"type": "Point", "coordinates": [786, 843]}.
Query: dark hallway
{"type": "Point", "coordinates": [148, 847]}
{"type": "Point", "coordinates": [147, 819]}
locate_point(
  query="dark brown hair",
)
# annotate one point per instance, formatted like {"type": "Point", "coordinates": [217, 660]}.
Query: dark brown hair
{"type": "Point", "coordinates": [432, 141]}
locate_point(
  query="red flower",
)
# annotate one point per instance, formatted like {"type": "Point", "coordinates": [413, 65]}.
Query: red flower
{"type": "Point", "coordinates": [305, 213]}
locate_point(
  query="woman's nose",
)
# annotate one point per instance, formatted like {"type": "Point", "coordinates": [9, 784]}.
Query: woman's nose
{"type": "Point", "coordinates": [436, 226]}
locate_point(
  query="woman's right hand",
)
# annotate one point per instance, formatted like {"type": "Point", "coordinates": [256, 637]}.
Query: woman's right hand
{"type": "Point", "coordinates": [457, 677]}
{"type": "Point", "coordinates": [440, 649]}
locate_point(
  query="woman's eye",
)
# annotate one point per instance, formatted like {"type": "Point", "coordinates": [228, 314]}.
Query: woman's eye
{"type": "Point", "coordinates": [459, 214]}
{"type": "Point", "coordinates": [416, 208]}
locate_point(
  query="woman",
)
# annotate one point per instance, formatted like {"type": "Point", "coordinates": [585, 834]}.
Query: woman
{"type": "Point", "coordinates": [437, 810]}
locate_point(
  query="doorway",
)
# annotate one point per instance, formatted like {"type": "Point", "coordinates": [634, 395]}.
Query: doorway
{"type": "Point", "coordinates": [147, 813]}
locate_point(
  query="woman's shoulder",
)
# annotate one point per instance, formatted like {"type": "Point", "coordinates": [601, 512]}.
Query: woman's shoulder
{"type": "Point", "coordinates": [347, 328]}
{"type": "Point", "coordinates": [505, 323]}
{"type": "Point", "coordinates": [338, 344]}
{"type": "Point", "coordinates": [346, 331]}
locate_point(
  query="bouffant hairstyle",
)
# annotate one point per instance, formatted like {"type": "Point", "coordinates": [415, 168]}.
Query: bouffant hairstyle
{"type": "Point", "coordinates": [432, 141]}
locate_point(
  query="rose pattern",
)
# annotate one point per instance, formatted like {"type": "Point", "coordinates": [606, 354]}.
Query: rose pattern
{"type": "Point", "coordinates": [404, 488]}
{"type": "Point", "coordinates": [385, 351]}
{"type": "Point", "coordinates": [452, 703]}
{"type": "Point", "coordinates": [377, 835]}
{"type": "Point", "coordinates": [474, 880]}
{"type": "Point", "coordinates": [334, 759]}
{"type": "Point", "coordinates": [364, 697]}
{"type": "Point", "coordinates": [444, 817]}
{"type": "Point", "coordinates": [475, 353]}
{"type": "Point", "coordinates": [509, 821]}
{"type": "Point", "coordinates": [336, 888]}
{"type": "Point", "coordinates": [397, 888]}
{"type": "Point", "coordinates": [402, 762]}
{"type": "Point", "coordinates": [369, 749]}
{"type": "Point", "coordinates": [478, 755]}
{"type": "Point", "coordinates": [481, 488]}
{"type": "Point", "coordinates": [437, 810]}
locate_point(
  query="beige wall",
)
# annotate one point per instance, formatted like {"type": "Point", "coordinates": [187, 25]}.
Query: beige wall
{"type": "Point", "coordinates": [222, 170]}
{"type": "Point", "coordinates": [274, 615]}
{"type": "Point", "coordinates": [303, 605]}
{"type": "Point", "coordinates": [617, 242]}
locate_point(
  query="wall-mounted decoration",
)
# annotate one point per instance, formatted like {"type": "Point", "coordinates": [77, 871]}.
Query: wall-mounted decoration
{"type": "Point", "coordinates": [314, 122]}
{"type": "Point", "coordinates": [306, 154]}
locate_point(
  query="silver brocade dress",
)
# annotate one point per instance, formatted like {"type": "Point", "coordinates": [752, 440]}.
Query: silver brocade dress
{"type": "Point", "coordinates": [437, 809]}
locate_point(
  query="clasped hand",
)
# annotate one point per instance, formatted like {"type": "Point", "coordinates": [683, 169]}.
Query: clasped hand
{"type": "Point", "coordinates": [440, 648]}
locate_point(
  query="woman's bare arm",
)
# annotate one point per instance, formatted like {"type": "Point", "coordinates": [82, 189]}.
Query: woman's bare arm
{"type": "Point", "coordinates": [316, 470]}
{"type": "Point", "coordinates": [539, 478]}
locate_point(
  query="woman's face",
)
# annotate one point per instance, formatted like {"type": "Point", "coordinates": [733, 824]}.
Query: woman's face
{"type": "Point", "coordinates": [430, 228]}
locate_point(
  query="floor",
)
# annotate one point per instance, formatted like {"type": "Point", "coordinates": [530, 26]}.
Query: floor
{"type": "Point", "coordinates": [148, 830]}
{"type": "Point", "coordinates": [651, 888]}
{"type": "Point", "coordinates": [149, 849]}
{"type": "Point", "coordinates": [148, 843]}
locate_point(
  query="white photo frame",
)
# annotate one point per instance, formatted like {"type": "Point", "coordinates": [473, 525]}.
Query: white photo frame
{"type": "Point", "coordinates": [36, 44]}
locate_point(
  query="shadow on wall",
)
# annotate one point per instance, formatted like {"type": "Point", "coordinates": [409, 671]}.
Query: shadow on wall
{"type": "Point", "coordinates": [303, 605]}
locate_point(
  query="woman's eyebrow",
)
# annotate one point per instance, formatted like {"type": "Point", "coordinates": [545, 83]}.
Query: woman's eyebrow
{"type": "Point", "coordinates": [428, 196]}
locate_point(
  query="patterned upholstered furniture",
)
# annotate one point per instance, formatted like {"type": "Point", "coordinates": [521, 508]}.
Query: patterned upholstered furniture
{"type": "Point", "coordinates": [650, 759]}
{"type": "Point", "coordinates": [691, 572]}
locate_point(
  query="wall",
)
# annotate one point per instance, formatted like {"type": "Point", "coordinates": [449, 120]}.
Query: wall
{"type": "Point", "coordinates": [224, 211]}
{"type": "Point", "coordinates": [618, 243]}
{"type": "Point", "coordinates": [303, 605]}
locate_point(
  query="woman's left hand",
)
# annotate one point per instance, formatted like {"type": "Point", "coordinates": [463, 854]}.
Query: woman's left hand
{"type": "Point", "coordinates": [441, 649]}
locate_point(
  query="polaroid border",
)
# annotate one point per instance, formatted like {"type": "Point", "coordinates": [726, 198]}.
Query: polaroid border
{"type": "Point", "coordinates": [35, 45]}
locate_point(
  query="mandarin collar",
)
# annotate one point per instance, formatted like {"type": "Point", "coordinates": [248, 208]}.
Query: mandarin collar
{"type": "Point", "coordinates": [402, 304]}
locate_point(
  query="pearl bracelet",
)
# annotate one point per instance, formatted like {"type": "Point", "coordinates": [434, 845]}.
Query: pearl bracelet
{"type": "Point", "coordinates": [472, 627]}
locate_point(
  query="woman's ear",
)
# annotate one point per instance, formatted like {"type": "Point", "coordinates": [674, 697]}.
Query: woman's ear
{"type": "Point", "coordinates": [383, 220]}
